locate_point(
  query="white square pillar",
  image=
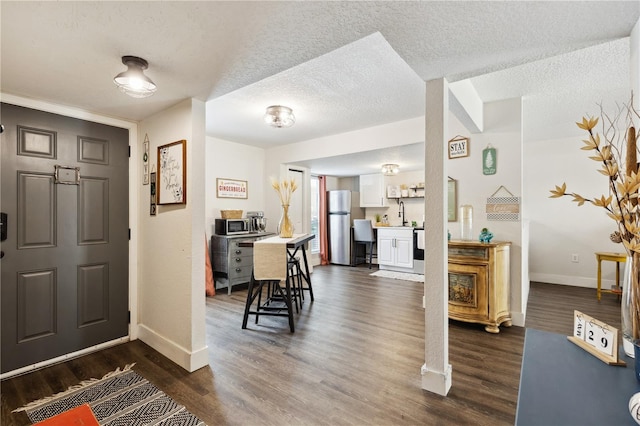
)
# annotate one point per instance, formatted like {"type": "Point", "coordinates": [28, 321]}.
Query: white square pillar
{"type": "Point", "coordinates": [436, 371]}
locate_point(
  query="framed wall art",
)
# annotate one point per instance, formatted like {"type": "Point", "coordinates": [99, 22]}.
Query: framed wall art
{"type": "Point", "coordinates": [231, 188]}
{"type": "Point", "coordinates": [172, 173]}
{"type": "Point", "coordinates": [145, 161]}
{"type": "Point", "coordinates": [452, 200]}
{"type": "Point", "coordinates": [152, 192]}
{"type": "Point", "coordinates": [458, 147]}
{"type": "Point", "coordinates": [489, 160]}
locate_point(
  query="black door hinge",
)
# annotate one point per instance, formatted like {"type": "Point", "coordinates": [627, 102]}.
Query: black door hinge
{"type": "Point", "coordinates": [129, 151]}
{"type": "Point", "coordinates": [129, 317]}
{"type": "Point", "coordinates": [129, 234]}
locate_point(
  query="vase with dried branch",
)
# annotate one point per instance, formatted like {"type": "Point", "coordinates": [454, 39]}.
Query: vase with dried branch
{"type": "Point", "coordinates": [285, 189]}
{"type": "Point", "coordinates": [615, 150]}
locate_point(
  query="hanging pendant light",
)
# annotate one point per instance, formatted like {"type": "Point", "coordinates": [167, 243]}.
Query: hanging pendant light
{"type": "Point", "coordinates": [133, 82]}
{"type": "Point", "coordinates": [279, 116]}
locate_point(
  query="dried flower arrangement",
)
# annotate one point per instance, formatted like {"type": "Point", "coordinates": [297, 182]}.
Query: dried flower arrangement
{"type": "Point", "coordinates": [616, 151]}
{"type": "Point", "coordinates": [284, 189]}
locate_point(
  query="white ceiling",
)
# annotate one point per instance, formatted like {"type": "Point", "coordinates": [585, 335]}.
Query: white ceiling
{"type": "Point", "coordinates": [341, 66]}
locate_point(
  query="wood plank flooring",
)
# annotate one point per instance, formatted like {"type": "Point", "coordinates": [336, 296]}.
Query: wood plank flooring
{"type": "Point", "coordinates": [354, 359]}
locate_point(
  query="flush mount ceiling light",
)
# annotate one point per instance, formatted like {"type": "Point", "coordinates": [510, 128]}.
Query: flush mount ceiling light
{"type": "Point", "coordinates": [390, 169]}
{"type": "Point", "coordinates": [279, 116]}
{"type": "Point", "coordinates": [133, 82]}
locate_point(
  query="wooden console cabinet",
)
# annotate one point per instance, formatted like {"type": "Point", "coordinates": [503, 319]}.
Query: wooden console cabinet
{"type": "Point", "coordinates": [479, 283]}
{"type": "Point", "coordinates": [231, 263]}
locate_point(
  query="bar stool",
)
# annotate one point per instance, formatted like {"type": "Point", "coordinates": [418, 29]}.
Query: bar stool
{"type": "Point", "coordinates": [363, 234]}
{"type": "Point", "coordinates": [270, 270]}
{"type": "Point", "coordinates": [294, 276]}
{"type": "Point", "coordinates": [295, 273]}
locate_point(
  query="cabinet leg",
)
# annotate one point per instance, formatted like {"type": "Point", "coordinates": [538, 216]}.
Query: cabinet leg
{"type": "Point", "coordinates": [507, 323]}
{"type": "Point", "coordinates": [492, 329]}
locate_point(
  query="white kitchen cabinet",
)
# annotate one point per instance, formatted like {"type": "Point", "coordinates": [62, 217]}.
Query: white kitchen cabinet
{"type": "Point", "coordinates": [395, 249]}
{"type": "Point", "coordinates": [372, 191]}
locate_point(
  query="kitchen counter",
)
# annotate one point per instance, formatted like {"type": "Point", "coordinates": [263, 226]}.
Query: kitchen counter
{"type": "Point", "coordinates": [249, 234]}
{"type": "Point", "coordinates": [396, 227]}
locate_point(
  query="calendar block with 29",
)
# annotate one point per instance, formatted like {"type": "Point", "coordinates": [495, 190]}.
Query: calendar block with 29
{"type": "Point", "coordinates": [596, 337]}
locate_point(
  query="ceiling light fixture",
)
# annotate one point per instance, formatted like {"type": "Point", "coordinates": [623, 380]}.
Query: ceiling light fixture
{"type": "Point", "coordinates": [133, 82]}
{"type": "Point", "coordinates": [279, 116]}
{"type": "Point", "coordinates": [390, 169]}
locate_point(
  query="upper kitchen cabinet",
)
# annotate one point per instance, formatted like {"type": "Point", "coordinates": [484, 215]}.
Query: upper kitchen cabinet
{"type": "Point", "coordinates": [372, 191]}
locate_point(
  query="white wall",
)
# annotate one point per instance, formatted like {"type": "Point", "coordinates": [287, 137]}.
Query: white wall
{"type": "Point", "coordinates": [559, 228]}
{"type": "Point", "coordinates": [503, 130]}
{"type": "Point", "coordinates": [171, 274]}
{"type": "Point", "coordinates": [231, 160]}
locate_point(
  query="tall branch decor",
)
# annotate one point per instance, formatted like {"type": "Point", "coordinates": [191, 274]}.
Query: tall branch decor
{"type": "Point", "coordinates": [615, 150]}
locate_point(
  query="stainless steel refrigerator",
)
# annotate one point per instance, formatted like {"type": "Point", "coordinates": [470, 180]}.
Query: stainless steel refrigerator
{"type": "Point", "coordinates": [343, 207]}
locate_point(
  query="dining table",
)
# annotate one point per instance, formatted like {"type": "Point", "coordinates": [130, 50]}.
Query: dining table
{"type": "Point", "coordinates": [293, 246]}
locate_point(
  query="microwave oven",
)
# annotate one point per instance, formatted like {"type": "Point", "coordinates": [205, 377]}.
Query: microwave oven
{"type": "Point", "coordinates": [232, 226]}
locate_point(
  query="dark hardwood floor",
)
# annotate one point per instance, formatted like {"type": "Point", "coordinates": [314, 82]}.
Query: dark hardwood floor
{"type": "Point", "coordinates": [354, 359]}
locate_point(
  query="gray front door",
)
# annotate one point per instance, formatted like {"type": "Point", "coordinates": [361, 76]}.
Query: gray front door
{"type": "Point", "coordinates": [64, 268]}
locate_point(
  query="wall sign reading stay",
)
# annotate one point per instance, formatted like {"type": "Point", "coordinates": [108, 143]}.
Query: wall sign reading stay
{"type": "Point", "coordinates": [459, 147]}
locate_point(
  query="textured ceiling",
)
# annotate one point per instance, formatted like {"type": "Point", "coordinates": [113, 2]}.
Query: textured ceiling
{"type": "Point", "coordinates": [341, 65]}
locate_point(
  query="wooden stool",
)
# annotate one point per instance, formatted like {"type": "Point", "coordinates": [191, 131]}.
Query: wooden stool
{"type": "Point", "coordinates": [612, 257]}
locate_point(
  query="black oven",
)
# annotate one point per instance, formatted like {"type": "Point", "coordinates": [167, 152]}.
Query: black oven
{"type": "Point", "coordinates": [418, 254]}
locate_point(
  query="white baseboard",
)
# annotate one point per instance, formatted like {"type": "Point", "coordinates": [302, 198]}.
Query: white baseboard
{"type": "Point", "coordinates": [570, 280]}
{"type": "Point", "coordinates": [435, 381]}
{"type": "Point", "coordinates": [190, 361]}
{"type": "Point", "coordinates": [518, 319]}
{"type": "Point", "coordinates": [63, 358]}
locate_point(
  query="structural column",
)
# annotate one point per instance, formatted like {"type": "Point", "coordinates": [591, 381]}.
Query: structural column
{"type": "Point", "coordinates": [436, 371]}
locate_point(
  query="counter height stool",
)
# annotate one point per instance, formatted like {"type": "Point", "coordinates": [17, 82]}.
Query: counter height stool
{"type": "Point", "coordinates": [295, 275]}
{"type": "Point", "coordinates": [270, 269]}
{"type": "Point", "coordinates": [363, 235]}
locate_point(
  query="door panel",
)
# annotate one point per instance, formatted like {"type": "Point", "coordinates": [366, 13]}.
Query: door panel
{"type": "Point", "coordinates": [37, 305]}
{"type": "Point", "coordinates": [93, 214]}
{"type": "Point", "coordinates": [65, 271]}
{"type": "Point", "coordinates": [37, 208]}
{"type": "Point", "coordinates": [339, 239]}
{"type": "Point", "coordinates": [385, 250]}
{"type": "Point", "coordinates": [93, 293]}
{"type": "Point", "coordinates": [404, 250]}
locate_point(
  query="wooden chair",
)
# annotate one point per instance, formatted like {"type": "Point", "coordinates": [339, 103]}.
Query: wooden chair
{"type": "Point", "coordinates": [363, 235]}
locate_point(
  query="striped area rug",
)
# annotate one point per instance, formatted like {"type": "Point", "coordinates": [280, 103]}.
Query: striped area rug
{"type": "Point", "coordinates": [121, 397]}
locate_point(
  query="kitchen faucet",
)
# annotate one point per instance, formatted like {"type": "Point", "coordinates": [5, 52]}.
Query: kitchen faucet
{"type": "Point", "coordinates": [401, 213]}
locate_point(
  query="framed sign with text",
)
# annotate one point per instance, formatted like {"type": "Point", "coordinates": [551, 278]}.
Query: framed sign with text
{"type": "Point", "coordinates": [458, 147]}
{"type": "Point", "coordinates": [231, 188]}
{"type": "Point", "coordinates": [172, 173]}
